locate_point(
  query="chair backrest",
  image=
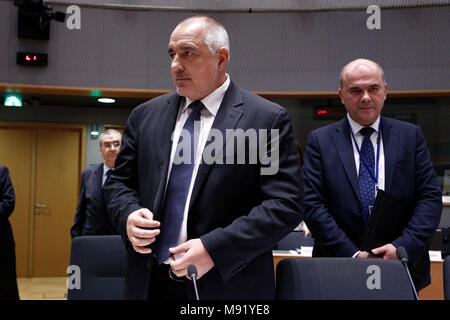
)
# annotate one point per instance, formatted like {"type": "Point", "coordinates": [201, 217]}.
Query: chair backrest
{"type": "Point", "coordinates": [342, 279]}
{"type": "Point", "coordinates": [102, 264]}
{"type": "Point", "coordinates": [446, 273]}
{"type": "Point", "coordinates": [294, 240]}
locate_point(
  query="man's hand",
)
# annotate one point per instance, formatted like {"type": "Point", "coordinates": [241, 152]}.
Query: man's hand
{"type": "Point", "coordinates": [366, 255]}
{"type": "Point", "coordinates": [305, 229]}
{"type": "Point", "coordinates": [388, 252]}
{"type": "Point", "coordinates": [195, 253]}
{"type": "Point", "coordinates": [141, 229]}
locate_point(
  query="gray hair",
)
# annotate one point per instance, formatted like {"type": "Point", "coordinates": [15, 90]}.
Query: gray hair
{"type": "Point", "coordinates": [216, 35]}
{"type": "Point", "coordinates": [341, 75]}
{"type": "Point", "coordinates": [109, 132]}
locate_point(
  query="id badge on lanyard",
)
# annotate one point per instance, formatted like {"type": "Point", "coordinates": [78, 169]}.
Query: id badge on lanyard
{"type": "Point", "coordinates": [373, 176]}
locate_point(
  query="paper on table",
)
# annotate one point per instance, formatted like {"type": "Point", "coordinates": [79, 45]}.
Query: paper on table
{"type": "Point", "coordinates": [306, 251]}
{"type": "Point", "coordinates": [435, 255]}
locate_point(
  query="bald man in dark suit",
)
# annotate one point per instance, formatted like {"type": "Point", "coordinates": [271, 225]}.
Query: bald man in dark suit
{"type": "Point", "coordinates": [347, 162]}
{"type": "Point", "coordinates": [223, 217]}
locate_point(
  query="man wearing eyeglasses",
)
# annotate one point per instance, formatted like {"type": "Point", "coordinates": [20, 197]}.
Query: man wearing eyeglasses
{"type": "Point", "coordinates": [91, 217]}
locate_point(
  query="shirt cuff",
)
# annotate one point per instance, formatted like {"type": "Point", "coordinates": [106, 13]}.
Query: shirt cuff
{"type": "Point", "coordinates": [356, 254]}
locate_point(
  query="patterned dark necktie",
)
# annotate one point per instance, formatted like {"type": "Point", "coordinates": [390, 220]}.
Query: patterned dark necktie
{"type": "Point", "coordinates": [178, 187]}
{"type": "Point", "coordinates": [366, 182]}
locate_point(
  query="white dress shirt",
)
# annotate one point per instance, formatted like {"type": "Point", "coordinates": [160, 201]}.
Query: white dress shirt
{"type": "Point", "coordinates": [212, 103]}
{"type": "Point", "coordinates": [105, 170]}
{"type": "Point", "coordinates": [359, 139]}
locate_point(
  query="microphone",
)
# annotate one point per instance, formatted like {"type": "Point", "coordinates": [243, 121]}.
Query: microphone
{"type": "Point", "coordinates": [192, 273]}
{"type": "Point", "coordinates": [403, 257]}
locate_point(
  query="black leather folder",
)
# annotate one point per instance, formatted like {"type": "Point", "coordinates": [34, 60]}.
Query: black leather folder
{"type": "Point", "coordinates": [388, 219]}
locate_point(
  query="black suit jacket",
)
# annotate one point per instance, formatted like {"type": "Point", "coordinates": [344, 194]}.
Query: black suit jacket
{"type": "Point", "coordinates": [8, 281]}
{"type": "Point", "coordinates": [238, 213]}
{"type": "Point", "coordinates": [333, 200]}
{"type": "Point", "coordinates": [91, 217]}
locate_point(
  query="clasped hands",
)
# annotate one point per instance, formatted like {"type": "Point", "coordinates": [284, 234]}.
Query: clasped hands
{"type": "Point", "coordinates": [142, 231]}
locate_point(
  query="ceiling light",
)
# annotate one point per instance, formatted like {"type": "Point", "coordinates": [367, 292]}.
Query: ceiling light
{"type": "Point", "coordinates": [106, 100]}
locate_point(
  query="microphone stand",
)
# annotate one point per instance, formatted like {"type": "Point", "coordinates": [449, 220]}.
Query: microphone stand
{"type": "Point", "coordinates": [192, 272]}
{"type": "Point", "coordinates": [403, 256]}
{"type": "Point", "coordinates": [195, 287]}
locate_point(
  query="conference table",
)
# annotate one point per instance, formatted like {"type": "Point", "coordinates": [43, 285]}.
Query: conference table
{"type": "Point", "coordinates": [435, 291]}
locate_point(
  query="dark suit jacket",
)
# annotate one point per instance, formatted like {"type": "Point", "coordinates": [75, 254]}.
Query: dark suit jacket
{"type": "Point", "coordinates": [238, 213]}
{"type": "Point", "coordinates": [333, 201]}
{"type": "Point", "coordinates": [91, 217]}
{"type": "Point", "coordinates": [8, 281]}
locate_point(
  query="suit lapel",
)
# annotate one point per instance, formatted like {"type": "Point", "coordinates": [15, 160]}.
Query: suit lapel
{"type": "Point", "coordinates": [227, 117]}
{"type": "Point", "coordinates": [345, 150]}
{"type": "Point", "coordinates": [390, 143]}
{"type": "Point", "coordinates": [165, 126]}
{"type": "Point", "coordinates": [98, 173]}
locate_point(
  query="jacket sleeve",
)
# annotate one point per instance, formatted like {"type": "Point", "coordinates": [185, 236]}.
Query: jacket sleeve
{"type": "Point", "coordinates": [80, 214]}
{"type": "Point", "coordinates": [122, 186]}
{"type": "Point", "coordinates": [7, 195]}
{"type": "Point", "coordinates": [428, 202]}
{"type": "Point", "coordinates": [322, 224]}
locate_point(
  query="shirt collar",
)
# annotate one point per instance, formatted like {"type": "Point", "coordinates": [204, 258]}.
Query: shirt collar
{"type": "Point", "coordinates": [213, 100]}
{"type": "Point", "coordinates": [355, 126]}
{"type": "Point", "coordinates": [106, 168]}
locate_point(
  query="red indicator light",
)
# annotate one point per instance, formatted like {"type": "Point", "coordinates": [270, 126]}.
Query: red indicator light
{"type": "Point", "coordinates": [322, 112]}
{"type": "Point", "coordinates": [32, 59]}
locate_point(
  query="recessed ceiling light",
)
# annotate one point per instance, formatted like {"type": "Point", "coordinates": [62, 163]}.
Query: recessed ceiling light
{"type": "Point", "coordinates": [106, 100]}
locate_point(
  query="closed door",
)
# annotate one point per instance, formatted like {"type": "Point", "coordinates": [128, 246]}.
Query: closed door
{"type": "Point", "coordinates": [57, 181]}
{"type": "Point", "coordinates": [51, 159]}
{"type": "Point", "coordinates": [16, 148]}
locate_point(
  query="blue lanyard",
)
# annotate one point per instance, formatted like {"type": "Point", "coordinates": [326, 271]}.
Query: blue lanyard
{"type": "Point", "coordinates": [374, 176]}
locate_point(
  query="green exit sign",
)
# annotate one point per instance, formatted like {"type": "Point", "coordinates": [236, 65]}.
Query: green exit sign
{"type": "Point", "coordinates": [12, 100]}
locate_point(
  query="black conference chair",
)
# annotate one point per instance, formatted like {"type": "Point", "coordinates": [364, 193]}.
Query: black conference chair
{"type": "Point", "coordinates": [447, 278]}
{"type": "Point", "coordinates": [102, 265]}
{"type": "Point", "coordinates": [342, 279]}
{"type": "Point", "coordinates": [294, 240]}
